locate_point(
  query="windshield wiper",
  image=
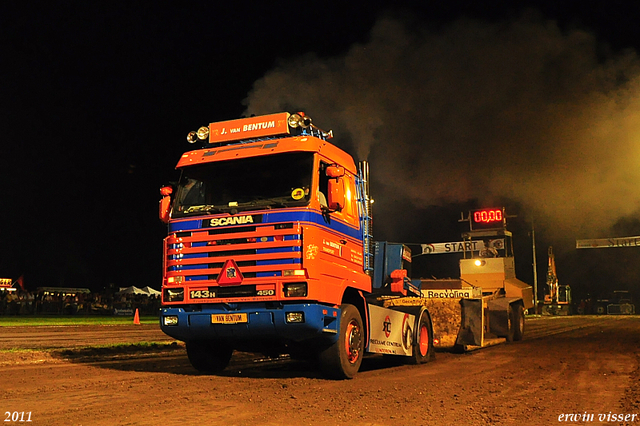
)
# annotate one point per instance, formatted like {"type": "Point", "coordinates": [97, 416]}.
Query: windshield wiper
{"type": "Point", "coordinates": [278, 202]}
{"type": "Point", "coordinates": [205, 208]}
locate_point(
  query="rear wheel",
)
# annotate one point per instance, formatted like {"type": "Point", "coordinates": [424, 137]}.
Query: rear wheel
{"type": "Point", "coordinates": [423, 341]}
{"type": "Point", "coordinates": [209, 357]}
{"type": "Point", "coordinates": [342, 359]}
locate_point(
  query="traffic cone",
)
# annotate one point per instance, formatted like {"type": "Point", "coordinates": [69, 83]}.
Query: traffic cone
{"type": "Point", "coordinates": [136, 317]}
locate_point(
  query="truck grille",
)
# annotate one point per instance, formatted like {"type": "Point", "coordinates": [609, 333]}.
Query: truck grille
{"type": "Point", "coordinates": [259, 251]}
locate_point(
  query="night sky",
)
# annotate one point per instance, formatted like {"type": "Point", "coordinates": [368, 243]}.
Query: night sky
{"type": "Point", "coordinates": [457, 105]}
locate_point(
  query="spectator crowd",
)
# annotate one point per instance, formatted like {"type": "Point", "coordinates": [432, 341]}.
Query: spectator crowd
{"type": "Point", "coordinates": [82, 302]}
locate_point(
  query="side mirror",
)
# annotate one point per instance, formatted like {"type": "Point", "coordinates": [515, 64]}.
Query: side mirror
{"type": "Point", "coordinates": [335, 171]}
{"type": "Point", "coordinates": [165, 203]}
{"type": "Point", "coordinates": [335, 199]}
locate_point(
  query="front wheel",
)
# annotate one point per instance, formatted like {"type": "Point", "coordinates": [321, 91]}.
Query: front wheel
{"type": "Point", "coordinates": [342, 359]}
{"type": "Point", "coordinates": [208, 356]}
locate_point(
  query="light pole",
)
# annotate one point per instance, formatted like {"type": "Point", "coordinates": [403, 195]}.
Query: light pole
{"type": "Point", "coordinates": [535, 269]}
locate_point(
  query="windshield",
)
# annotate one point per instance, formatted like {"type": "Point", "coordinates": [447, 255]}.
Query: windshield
{"type": "Point", "coordinates": [280, 180]}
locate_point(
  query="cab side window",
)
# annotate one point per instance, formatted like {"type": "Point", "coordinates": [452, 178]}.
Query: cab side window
{"type": "Point", "coordinates": [323, 184]}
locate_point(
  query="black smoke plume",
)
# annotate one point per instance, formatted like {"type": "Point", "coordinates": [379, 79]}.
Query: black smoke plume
{"type": "Point", "coordinates": [517, 110]}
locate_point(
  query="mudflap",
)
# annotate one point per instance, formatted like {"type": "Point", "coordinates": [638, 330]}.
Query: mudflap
{"type": "Point", "coordinates": [499, 311]}
{"type": "Point", "coordinates": [472, 324]}
{"type": "Point", "coordinates": [499, 316]}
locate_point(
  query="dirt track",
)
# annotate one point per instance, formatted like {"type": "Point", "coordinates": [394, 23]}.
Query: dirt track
{"type": "Point", "coordinates": [577, 365]}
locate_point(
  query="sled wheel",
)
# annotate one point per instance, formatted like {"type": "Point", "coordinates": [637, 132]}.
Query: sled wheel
{"type": "Point", "coordinates": [208, 356]}
{"type": "Point", "coordinates": [511, 324]}
{"type": "Point", "coordinates": [342, 359]}
{"type": "Point", "coordinates": [518, 322]}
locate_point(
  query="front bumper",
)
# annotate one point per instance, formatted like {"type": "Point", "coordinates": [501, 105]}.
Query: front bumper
{"type": "Point", "coordinates": [262, 322]}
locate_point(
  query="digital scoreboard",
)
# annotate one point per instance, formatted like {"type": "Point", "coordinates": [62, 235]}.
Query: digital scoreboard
{"type": "Point", "coordinates": [487, 218]}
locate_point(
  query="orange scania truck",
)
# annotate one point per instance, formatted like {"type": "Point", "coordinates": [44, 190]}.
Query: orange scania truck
{"type": "Point", "coordinates": [269, 250]}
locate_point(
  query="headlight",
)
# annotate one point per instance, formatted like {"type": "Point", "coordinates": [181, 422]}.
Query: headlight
{"type": "Point", "coordinates": [174, 294]}
{"type": "Point", "coordinates": [299, 120]}
{"type": "Point", "coordinates": [203, 133]}
{"type": "Point", "coordinates": [192, 137]}
{"type": "Point", "coordinates": [295, 290]}
{"type": "Point", "coordinates": [170, 320]}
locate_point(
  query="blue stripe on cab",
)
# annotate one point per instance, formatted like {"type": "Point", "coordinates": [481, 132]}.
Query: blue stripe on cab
{"type": "Point", "coordinates": [311, 216]}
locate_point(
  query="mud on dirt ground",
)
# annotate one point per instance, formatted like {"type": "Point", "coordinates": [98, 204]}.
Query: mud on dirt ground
{"type": "Point", "coordinates": [578, 366]}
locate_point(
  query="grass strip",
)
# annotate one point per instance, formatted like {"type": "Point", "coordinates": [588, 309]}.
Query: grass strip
{"type": "Point", "coordinates": [28, 320]}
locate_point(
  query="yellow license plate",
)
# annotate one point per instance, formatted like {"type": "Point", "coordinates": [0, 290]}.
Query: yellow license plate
{"type": "Point", "coordinates": [229, 318]}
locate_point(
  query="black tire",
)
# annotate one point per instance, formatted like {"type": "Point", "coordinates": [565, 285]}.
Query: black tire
{"type": "Point", "coordinates": [209, 357]}
{"type": "Point", "coordinates": [511, 325]}
{"type": "Point", "coordinates": [342, 359]}
{"type": "Point", "coordinates": [422, 340]}
{"type": "Point", "coordinates": [518, 322]}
